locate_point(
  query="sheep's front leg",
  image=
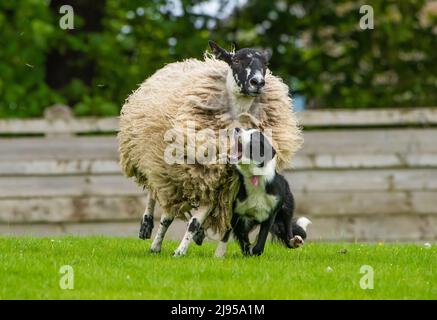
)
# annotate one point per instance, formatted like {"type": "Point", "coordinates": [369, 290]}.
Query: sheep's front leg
{"type": "Point", "coordinates": [194, 224]}
{"type": "Point", "coordinates": [160, 234]}
{"type": "Point", "coordinates": [147, 221]}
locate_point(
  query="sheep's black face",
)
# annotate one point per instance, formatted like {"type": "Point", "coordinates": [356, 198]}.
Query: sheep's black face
{"type": "Point", "coordinates": [248, 67]}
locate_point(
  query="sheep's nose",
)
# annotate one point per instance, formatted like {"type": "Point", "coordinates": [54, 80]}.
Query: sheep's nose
{"type": "Point", "coordinates": [257, 82]}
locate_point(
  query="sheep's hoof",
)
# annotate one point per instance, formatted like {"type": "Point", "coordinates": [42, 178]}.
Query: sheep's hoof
{"type": "Point", "coordinates": [155, 247]}
{"type": "Point", "coordinates": [146, 227]}
{"type": "Point", "coordinates": [297, 242]}
{"type": "Point", "coordinates": [179, 253]}
{"type": "Point", "coordinates": [199, 236]}
{"type": "Point", "coordinates": [155, 250]}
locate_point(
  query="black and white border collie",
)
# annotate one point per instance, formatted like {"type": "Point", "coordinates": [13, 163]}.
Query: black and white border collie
{"type": "Point", "coordinates": [264, 198]}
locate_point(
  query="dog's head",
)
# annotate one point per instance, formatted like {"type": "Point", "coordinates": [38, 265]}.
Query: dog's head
{"type": "Point", "coordinates": [254, 155]}
{"type": "Point", "coordinates": [248, 67]}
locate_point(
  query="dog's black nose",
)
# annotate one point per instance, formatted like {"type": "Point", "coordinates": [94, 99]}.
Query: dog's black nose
{"type": "Point", "coordinates": [257, 82]}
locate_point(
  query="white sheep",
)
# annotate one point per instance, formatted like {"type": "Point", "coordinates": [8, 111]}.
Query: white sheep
{"type": "Point", "coordinates": [224, 91]}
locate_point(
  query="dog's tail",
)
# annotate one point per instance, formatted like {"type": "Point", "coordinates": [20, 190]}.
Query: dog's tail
{"type": "Point", "coordinates": [300, 226]}
{"type": "Point", "coordinates": [303, 222]}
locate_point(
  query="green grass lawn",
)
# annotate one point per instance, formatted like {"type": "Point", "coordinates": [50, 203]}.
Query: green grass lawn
{"type": "Point", "coordinates": [118, 268]}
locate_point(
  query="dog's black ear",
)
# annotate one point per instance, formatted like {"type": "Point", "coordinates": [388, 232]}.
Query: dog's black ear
{"type": "Point", "coordinates": [220, 53]}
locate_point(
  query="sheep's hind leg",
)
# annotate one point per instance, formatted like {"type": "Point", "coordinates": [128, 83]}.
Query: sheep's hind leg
{"type": "Point", "coordinates": [162, 229]}
{"type": "Point", "coordinates": [221, 248]}
{"type": "Point", "coordinates": [199, 236]}
{"type": "Point", "coordinates": [194, 224]}
{"type": "Point", "coordinates": [147, 221]}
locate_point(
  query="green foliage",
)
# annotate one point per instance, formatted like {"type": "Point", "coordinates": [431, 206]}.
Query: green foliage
{"type": "Point", "coordinates": [26, 27]}
{"type": "Point", "coordinates": [131, 44]}
{"type": "Point", "coordinates": [319, 50]}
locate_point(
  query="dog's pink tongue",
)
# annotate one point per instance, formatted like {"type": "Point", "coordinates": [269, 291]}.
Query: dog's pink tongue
{"type": "Point", "coordinates": [254, 180]}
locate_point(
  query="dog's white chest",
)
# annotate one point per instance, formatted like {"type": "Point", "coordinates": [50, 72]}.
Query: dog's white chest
{"type": "Point", "coordinates": [258, 205]}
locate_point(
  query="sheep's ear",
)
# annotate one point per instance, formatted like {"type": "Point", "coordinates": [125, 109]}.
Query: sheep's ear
{"type": "Point", "coordinates": [220, 53]}
{"type": "Point", "coordinates": [267, 54]}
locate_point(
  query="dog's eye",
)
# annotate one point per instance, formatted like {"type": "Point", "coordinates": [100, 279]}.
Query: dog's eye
{"type": "Point", "coordinates": [236, 61]}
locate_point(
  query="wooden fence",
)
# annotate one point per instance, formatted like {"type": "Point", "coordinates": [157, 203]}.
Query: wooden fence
{"type": "Point", "coordinates": [362, 175]}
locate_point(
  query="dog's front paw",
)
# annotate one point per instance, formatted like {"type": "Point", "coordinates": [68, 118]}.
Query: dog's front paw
{"type": "Point", "coordinates": [146, 227]}
{"type": "Point", "coordinates": [296, 242]}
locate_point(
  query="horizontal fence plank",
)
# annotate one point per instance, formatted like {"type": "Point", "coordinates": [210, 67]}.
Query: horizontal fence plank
{"type": "Point", "coordinates": [304, 161]}
{"type": "Point", "coordinates": [401, 227]}
{"type": "Point", "coordinates": [109, 228]}
{"type": "Point", "coordinates": [67, 186]}
{"type": "Point", "coordinates": [59, 167]}
{"type": "Point", "coordinates": [64, 209]}
{"type": "Point", "coordinates": [326, 203]}
{"type": "Point", "coordinates": [311, 118]}
{"type": "Point", "coordinates": [369, 228]}
{"type": "Point", "coordinates": [368, 117]}
{"type": "Point", "coordinates": [58, 126]}
{"type": "Point", "coordinates": [58, 148]}
{"type": "Point", "coordinates": [424, 203]}
{"type": "Point", "coordinates": [364, 180]}
{"type": "Point", "coordinates": [403, 141]}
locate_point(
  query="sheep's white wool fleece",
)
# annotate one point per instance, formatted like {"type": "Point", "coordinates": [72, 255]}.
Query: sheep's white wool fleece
{"type": "Point", "coordinates": [195, 90]}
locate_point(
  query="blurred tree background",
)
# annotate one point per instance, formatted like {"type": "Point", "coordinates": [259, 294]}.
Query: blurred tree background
{"type": "Point", "coordinates": [319, 49]}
